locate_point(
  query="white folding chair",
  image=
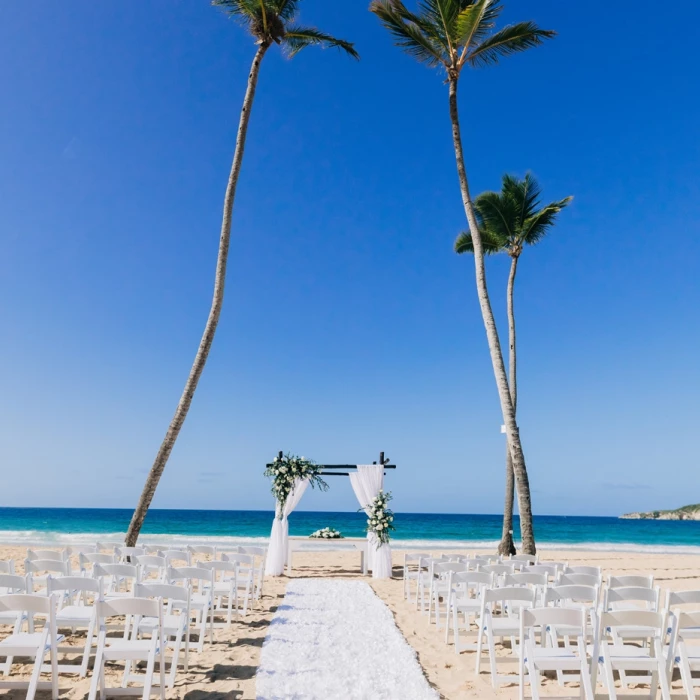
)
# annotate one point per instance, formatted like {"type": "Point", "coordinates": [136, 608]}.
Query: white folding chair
{"type": "Point", "coordinates": [440, 585]}
{"type": "Point", "coordinates": [39, 570]}
{"type": "Point", "coordinates": [464, 603]}
{"type": "Point", "coordinates": [7, 566]}
{"type": "Point", "coordinates": [614, 655]}
{"type": "Point", "coordinates": [549, 569]}
{"type": "Point", "coordinates": [110, 547]}
{"type": "Point", "coordinates": [500, 570]}
{"type": "Point", "coordinates": [35, 645]}
{"type": "Point", "coordinates": [511, 600]}
{"type": "Point", "coordinates": [683, 653]}
{"type": "Point", "coordinates": [412, 570]}
{"type": "Point", "coordinates": [9, 585]}
{"type": "Point", "coordinates": [200, 582]}
{"type": "Point", "coordinates": [130, 649]}
{"type": "Point", "coordinates": [631, 582]}
{"type": "Point", "coordinates": [683, 601]}
{"type": "Point", "coordinates": [58, 555]}
{"type": "Point", "coordinates": [119, 580]}
{"type": "Point", "coordinates": [422, 575]}
{"type": "Point", "coordinates": [260, 555]}
{"type": "Point", "coordinates": [76, 611]}
{"type": "Point", "coordinates": [244, 577]}
{"type": "Point", "coordinates": [176, 622]}
{"type": "Point", "coordinates": [536, 658]}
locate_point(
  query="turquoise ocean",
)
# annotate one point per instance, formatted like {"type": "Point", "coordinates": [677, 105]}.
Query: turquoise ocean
{"type": "Point", "coordinates": [62, 526]}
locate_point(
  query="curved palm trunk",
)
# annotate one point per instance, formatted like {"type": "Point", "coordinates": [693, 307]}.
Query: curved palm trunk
{"type": "Point", "coordinates": [519, 468]}
{"type": "Point", "coordinates": [208, 336]}
{"type": "Point", "coordinates": [507, 546]}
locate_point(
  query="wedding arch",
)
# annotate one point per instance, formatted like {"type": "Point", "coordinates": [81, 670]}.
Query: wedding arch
{"type": "Point", "coordinates": [367, 481]}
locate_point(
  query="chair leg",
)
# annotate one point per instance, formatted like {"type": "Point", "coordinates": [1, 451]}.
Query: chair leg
{"type": "Point", "coordinates": [96, 670]}
{"type": "Point", "coordinates": [663, 678]}
{"type": "Point", "coordinates": [479, 646]}
{"type": "Point", "coordinates": [686, 673]}
{"type": "Point", "coordinates": [34, 679]}
{"type": "Point", "coordinates": [608, 671]}
{"type": "Point", "coordinates": [88, 649]}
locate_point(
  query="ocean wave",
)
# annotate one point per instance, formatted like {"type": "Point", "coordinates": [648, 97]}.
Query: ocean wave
{"type": "Point", "coordinates": [63, 539]}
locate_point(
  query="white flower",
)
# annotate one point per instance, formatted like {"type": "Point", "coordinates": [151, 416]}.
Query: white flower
{"type": "Point", "coordinates": [380, 527]}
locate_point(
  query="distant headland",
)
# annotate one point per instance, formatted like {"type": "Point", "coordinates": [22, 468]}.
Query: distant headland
{"type": "Point", "coordinates": [684, 513]}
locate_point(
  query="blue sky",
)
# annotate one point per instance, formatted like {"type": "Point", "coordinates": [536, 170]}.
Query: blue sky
{"type": "Point", "coordinates": [349, 325]}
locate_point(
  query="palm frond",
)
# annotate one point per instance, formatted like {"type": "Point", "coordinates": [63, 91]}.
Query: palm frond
{"type": "Point", "coordinates": [498, 214]}
{"type": "Point", "coordinates": [475, 21]}
{"type": "Point", "coordinates": [465, 244]}
{"type": "Point", "coordinates": [410, 32]}
{"type": "Point", "coordinates": [247, 10]}
{"type": "Point", "coordinates": [509, 40]}
{"type": "Point", "coordinates": [284, 9]}
{"type": "Point", "coordinates": [526, 194]}
{"type": "Point", "coordinates": [298, 38]}
{"type": "Point", "coordinates": [536, 227]}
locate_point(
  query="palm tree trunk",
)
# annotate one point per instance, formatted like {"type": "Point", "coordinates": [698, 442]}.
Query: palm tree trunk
{"type": "Point", "coordinates": [507, 546]}
{"type": "Point", "coordinates": [215, 312]}
{"type": "Point", "coordinates": [519, 468]}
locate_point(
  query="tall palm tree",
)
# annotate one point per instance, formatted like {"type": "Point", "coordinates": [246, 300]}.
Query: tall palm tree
{"type": "Point", "coordinates": [268, 22]}
{"type": "Point", "coordinates": [508, 221]}
{"type": "Point", "coordinates": [452, 35]}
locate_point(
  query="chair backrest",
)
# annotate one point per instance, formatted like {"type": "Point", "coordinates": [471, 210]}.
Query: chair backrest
{"type": "Point", "coordinates": [566, 595]}
{"type": "Point", "coordinates": [43, 566]}
{"type": "Point", "coordinates": [86, 560]}
{"type": "Point", "coordinates": [152, 549]}
{"type": "Point", "coordinates": [117, 574]}
{"type": "Point", "coordinates": [110, 547]}
{"type": "Point", "coordinates": [254, 550]}
{"type": "Point", "coordinates": [509, 594]}
{"type": "Point", "coordinates": [588, 570]}
{"type": "Point", "coordinates": [549, 569]}
{"type": "Point", "coordinates": [472, 580]}
{"type": "Point", "coordinates": [677, 598]}
{"type": "Point", "coordinates": [206, 549]}
{"type": "Point", "coordinates": [552, 617]}
{"type": "Point", "coordinates": [643, 619]}
{"type": "Point", "coordinates": [622, 598]}
{"type": "Point", "coordinates": [125, 553]}
{"type": "Point", "coordinates": [12, 583]}
{"type": "Point", "coordinates": [143, 607]}
{"type": "Point", "coordinates": [414, 557]}
{"type": "Point", "coordinates": [166, 591]}
{"type": "Point", "coordinates": [171, 555]}
{"type": "Point", "coordinates": [189, 574]}
{"type": "Point", "coordinates": [28, 602]}
{"type": "Point", "coordinates": [7, 566]}
{"type": "Point", "coordinates": [687, 621]}
{"type": "Point", "coordinates": [485, 559]}
{"type": "Point", "coordinates": [246, 559]}
{"type": "Point", "coordinates": [526, 579]}
{"type": "Point", "coordinates": [578, 580]}
{"type": "Point", "coordinates": [525, 558]}
{"type": "Point", "coordinates": [151, 562]}
{"type": "Point", "coordinates": [72, 586]}
{"type": "Point", "coordinates": [220, 569]}
{"type": "Point", "coordinates": [631, 581]}
{"type": "Point", "coordinates": [498, 569]}
{"type": "Point", "coordinates": [62, 555]}
{"type": "Point", "coordinates": [443, 568]}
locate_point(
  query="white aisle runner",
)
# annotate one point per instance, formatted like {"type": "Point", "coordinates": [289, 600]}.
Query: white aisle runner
{"type": "Point", "coordinates": [337, 640]}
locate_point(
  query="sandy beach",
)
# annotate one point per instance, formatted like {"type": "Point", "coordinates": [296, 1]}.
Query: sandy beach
{"type": "Point", "coordinates": [226, 669]}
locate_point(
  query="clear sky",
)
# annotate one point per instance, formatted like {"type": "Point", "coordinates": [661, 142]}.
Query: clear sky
{"type": "Point", "coordinates": [349, 325]}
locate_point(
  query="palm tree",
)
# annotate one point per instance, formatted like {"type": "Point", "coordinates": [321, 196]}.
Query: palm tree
{"type": "Point", "coordinates": [268, 22]}
{"type": "Point", "coordinates": [508, 221]}
{"type": "Point", "coordinates": [451, 35]}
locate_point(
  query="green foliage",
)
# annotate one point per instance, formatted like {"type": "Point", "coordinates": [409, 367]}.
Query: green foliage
{"type": "Point", "coordinates": [380, 520]}
{"type": "Point", "coordinates": [289, 469]}
{"type": "Point", "coordinates": [271, 21]}
{"type": "Point", "coordinates": [512, 218]}
{"type": "Point", "coordinates": [454, 33]}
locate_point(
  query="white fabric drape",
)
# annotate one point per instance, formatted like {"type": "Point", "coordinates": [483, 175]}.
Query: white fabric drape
{"type": "Point", "coordinates": [279, 537]}
{"type": "Point", "coordinates": [367, 482]}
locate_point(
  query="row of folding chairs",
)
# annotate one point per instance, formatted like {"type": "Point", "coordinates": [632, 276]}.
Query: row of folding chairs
{"type": "Point", "coordinates": [151, 626]}
{"type": "Point", "coordinates": [491, 594]}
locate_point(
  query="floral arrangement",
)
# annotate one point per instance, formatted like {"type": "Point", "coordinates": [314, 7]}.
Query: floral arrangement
{"type": "Point", "coordinates": [285, 470]}
{"type": "Point", "coordinates": [380, 519]}
{"type": "Point", "coordinates": [327, 533]}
